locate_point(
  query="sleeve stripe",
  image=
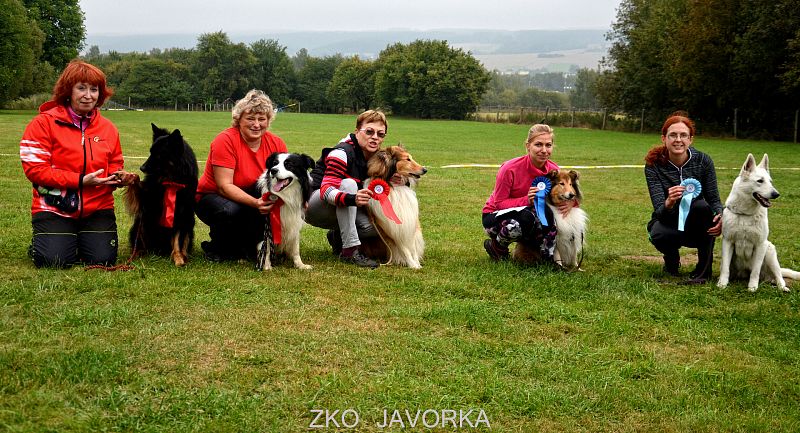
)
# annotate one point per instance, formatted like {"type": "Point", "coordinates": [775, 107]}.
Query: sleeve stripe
{"type": "Point", "coordinates": [32, 154]}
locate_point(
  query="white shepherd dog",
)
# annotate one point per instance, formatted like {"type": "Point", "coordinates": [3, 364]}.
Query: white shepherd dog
{"type": "Point", "coordinates": [746, 252]}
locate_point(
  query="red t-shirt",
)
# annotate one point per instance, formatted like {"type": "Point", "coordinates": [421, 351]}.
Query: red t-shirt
{"type": "Point", "coordinates": [230, 151]}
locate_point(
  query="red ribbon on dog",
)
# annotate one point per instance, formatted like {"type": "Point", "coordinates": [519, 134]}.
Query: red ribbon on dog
{"type": "Point", "coordinates": [380, 191]}
{"type": "Point", "coordinates": [168, 212]}
{"type": "Point", "coordinates": [274, 216]}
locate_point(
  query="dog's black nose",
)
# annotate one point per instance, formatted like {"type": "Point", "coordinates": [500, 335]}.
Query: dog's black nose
{"type": "Point", "coordinates": [775, 194]}
{"type": "Point", "coordinates": [424, 170]}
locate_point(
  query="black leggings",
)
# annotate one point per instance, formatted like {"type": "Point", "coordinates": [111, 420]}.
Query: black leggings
{"type": "Point", "coordinates": [235, 229]}
{"type": "Point", "coordinates": [61, 242]}
{"type": "Point", "coordinates": [664, 235]}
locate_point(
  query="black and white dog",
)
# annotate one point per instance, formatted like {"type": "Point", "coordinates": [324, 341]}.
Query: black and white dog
{"type": "Point", "coordinates": [287, 182]}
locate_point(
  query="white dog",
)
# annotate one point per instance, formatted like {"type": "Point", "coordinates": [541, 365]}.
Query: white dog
{"type": "Point", "coordinates": [746, 252]}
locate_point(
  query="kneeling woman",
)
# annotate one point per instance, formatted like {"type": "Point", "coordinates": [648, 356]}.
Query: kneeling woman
{"type": "Point", "coordinates": [509, 214]}
{"type": "Point", "coordinates": [666, 167]}
{"type": "Point", "coordinates": [227, 199]}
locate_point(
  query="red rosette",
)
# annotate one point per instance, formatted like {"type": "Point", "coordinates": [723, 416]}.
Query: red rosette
{"type": "Point", "coordinates": [380, 191]}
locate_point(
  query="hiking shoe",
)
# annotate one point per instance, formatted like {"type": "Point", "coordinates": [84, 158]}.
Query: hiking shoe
{"type": "Point", "coordinates": [672, 265]}
{"type": "Point", "coordinates": [359, 259]}
{"type": "Point", "coordinates": [335, 240]}
{"type": "Point", "coordinates": [495, 250]}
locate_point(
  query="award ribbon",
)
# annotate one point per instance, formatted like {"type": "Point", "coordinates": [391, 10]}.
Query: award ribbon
{"type": "Point", "coordinates": [168, 212]}
{"type": "Point", "coordinates": [542, 184]}
{"type": "Point", "coordinates": [380, 191]}
{"type": "Point", "coordinates": [274, 217]}
{"type": "Point", "coordinates": [693, 189]}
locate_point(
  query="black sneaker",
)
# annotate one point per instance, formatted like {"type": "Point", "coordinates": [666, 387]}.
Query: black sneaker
{"type": "Point", "coordinates": [335, 240]}
{"type": "Point", "coordinates": [495, 251]}
{"type": "Point", "coordinates": [359, 260]}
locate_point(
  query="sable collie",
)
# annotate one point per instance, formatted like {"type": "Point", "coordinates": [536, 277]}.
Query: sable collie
{"type": "Point", "coordinates": [571, 235]}
{"type": "Point", "coordinates": [746, 252]}
{"type": "Point", "coordinates": [401, 243]}
{"type": "Point", "coordinates": [286, 180]}
{"type": "Point", "coordinates": [163, 203]}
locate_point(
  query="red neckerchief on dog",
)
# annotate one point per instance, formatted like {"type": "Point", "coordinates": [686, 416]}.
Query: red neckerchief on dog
{"type": "Point", "coordinates": [168, 212]}
{"type": "Point", "coordinates": [272, 231]}
{"type": "Point", "coordinates": [380, 191]}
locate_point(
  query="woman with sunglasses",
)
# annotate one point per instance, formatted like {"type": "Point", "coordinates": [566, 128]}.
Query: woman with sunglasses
{"type": "Point", "coordinates": [227, 199]}
{"type": "Point", "coordinates": [339, 197]}
{"type": "Point", "coordinates": [666, 167]}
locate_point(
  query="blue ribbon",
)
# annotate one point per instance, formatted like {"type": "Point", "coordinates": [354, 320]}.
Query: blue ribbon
{"type": "Point", "coordinates": [693, 189]}
{"type": "Point", "coordinates": [543, 185]}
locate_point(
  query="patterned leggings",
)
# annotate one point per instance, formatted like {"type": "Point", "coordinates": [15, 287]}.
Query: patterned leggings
{"type": "Point", "coordinates": [522, 226]}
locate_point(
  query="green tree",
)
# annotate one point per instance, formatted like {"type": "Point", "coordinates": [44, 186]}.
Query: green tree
{"type": "Point", "coordinates": [156, 83]}
{"type": "Point", "coordinates": [428, 79]}
{"type": "Point", "coordinates": [313, 81]}
{"type": "Point", "coordinates": [583, 93]}
{"type": "Point", "coordinates": [20, 46]}
{"type": "Point", "coordinates": [223, 68]}
{"type": "Point", "coordinates": [273, 70]}
{"type": "Point", "coordinates": [62, 24]}
{"type": "Point", "coordinates": [353, 84]}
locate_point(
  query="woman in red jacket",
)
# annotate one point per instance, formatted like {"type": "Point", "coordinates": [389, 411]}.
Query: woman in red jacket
{"type": "Point", "coordinates": [72, 156]}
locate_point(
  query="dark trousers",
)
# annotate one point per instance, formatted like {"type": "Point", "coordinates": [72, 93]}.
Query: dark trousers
{"type": "Point", "coordinates": [61, 242]}
{"type": "Point", "coordinates": [522, 226]}
{"type": "Point", "coordinates": [664, 234]}
{"type": "Point", "coordinates": [235, 229]}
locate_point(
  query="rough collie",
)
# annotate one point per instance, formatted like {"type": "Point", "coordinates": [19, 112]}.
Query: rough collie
{"type": "Point", "coordinates": [287, 182]}
{"type": "Point", "coordinates": [400, 243]}
{"type": "Point", "coordinates": [571, 235]}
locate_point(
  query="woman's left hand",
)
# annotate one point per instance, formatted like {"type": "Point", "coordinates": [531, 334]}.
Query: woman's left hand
{"type": "Point", "coordinates": [565, 206]}
{"type": "Point", "coordinates": [716, 229]}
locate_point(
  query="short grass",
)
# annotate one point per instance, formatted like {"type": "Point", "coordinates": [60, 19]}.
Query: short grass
{"type": "Point", "coordinates": [220, 347]}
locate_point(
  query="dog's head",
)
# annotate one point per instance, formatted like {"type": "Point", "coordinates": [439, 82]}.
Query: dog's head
{"type": "Point", "coordinates": [756, 181]}
{"type": "Point", "coordinates": [170, 158]}
{"type": "Point", "coordinates": [286, 172]}
{"type": "Point", "coordinates": [565, 186]}
{"type": "Point", "coordinates": [395, 160]}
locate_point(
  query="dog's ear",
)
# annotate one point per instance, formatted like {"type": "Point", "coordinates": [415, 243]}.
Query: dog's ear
{"type": "Point", "coordinates": [158, 132]}
{"type": "Point", "coordinates": [308, 161]}
{"type": "Point", "coordinates": [552, 175]}
{"type": "Point", "coordinates": [764, 162]}
{"type": "Point", "coordinates": [271, 159]}
{"type": "Point", "coordinates": [378, 165]}
{"type": "Point", "coordinates": [749, 165]}
{"type": "Point", "coordinates": [574, 175]}
{"type": "Point", "coordinates": [176, 142]}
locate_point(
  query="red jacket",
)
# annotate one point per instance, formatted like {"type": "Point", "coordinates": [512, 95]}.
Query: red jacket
{"type": "Point", "coordinates": [56, 153]}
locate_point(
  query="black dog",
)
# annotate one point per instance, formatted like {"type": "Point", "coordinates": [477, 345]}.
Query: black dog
{"type": "Point", "coordinates": [163, 203]}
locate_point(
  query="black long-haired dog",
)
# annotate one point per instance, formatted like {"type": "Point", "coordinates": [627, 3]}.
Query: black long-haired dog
{"type": "Point", "coordinates": [163, 203]}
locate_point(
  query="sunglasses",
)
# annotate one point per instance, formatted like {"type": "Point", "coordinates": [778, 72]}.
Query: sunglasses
{"type": "Point", "coordinates": [370, 132]}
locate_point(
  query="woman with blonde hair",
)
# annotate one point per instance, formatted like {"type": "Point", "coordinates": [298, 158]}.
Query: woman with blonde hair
{"type": "Point", "coordinates": [227, 197]}
{"type": "Point", "coordinates": [509, 214]}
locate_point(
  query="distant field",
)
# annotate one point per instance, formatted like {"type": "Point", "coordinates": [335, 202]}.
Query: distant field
{"type": "Point", "coordinates": [534, 61]}
{"type": "Point", "coordinates": [221, 347]}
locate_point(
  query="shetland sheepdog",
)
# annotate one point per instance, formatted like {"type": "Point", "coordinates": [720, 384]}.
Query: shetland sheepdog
{"type": "Point", "coordinates": [571, 234]}
{"type": "Point", "coordinates": [402, 243]}
{"type": "Point", "coordinates": [285, 178]}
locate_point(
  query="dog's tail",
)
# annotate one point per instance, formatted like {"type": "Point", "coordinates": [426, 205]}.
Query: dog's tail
{"type": "Point", "coordinates": [789, 273]}
{"type": "Point", "coordinates": [132, 197]}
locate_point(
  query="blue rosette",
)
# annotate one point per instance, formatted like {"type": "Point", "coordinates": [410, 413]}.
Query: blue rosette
{"type": "Point", "coordinates": [543, 185]}
{"type": "Point", "coordinates": [693, 189]}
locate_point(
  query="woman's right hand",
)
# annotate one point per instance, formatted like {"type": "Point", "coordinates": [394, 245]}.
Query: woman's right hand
{"type": "Point", "coordinates": [363, 196]}
{"type": "Point", "coordinates": [674, 195]}
{"type": "Point", "coordinates": [532, 195]}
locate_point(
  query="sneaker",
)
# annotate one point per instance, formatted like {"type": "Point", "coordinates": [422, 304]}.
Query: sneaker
{"type": "Point", "coordinates": [335, 240]}
{"type": "Point", "coordinates": [359, 260]}
{"type": "Point", "coordinates": [495, 251]}
{"type": "Point", "coordinates": [210, 253]}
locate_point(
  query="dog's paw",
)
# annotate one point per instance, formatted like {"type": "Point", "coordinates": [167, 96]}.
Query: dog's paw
{"type": "Point", "coordinates": [722, 283]}
{"type": "Point", "coordinates": [752, 289]}
{"type": "Point", "coordinates": [304, 266]}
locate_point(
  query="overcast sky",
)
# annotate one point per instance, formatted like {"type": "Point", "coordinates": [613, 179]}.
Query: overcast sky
{"type": "Point", "coordinates": [107, 17]}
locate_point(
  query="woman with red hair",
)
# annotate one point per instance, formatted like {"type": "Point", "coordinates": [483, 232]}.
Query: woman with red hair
{"type": "Point", "coordinates": [667, 166]}
{"type": "Point", "coordinates": [72, 156]}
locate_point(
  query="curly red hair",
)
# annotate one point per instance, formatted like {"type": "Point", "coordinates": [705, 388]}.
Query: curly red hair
{"type": "Point", "coordinates": [658, 154]}
{"type": "Point", "coordinates": [78, 71]}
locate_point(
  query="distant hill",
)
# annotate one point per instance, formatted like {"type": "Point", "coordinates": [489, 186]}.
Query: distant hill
{"type": "Point", "coordinates": [484, 44]}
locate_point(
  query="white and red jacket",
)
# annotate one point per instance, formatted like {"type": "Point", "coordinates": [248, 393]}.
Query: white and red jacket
{"type": "Point", "coordinates": [57, 151]}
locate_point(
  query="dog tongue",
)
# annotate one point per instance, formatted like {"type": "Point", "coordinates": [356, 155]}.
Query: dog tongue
{"type": "Point", "coordinates": [281, 185]}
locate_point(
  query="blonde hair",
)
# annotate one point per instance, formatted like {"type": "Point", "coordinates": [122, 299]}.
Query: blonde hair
{"type": "Point", "coordinates": [255, 101]}
{"type": "Point", "coordinates": [371, 116]}
{"type": "Point", "coordinates": [537, 130]}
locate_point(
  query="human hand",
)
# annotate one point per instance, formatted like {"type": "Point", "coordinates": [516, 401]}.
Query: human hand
{"type": "Point", "coordinates": [532, 195]}
{"type": "Point", "coordinates": [674, 195]}
{"type": "Point", "coordinates": [363, 196]}
{"type": "Point", "coordinates": [263, 205]}
{"type": "Point", "coordinates": [565, 206]}
{"type": "Point", "coordinates": [93, 179]}
{"type": "Point", "coordinates": [716, 229]}
{"type": "Point", "coordinates": [397, 180]}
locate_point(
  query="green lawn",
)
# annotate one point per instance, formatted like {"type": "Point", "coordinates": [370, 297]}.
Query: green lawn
{"type": "Point", "coordinates": [220, 347]}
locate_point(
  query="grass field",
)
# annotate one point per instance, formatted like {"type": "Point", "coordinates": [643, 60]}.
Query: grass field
{"type": "Point", "coordinates": [220, 347]}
